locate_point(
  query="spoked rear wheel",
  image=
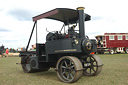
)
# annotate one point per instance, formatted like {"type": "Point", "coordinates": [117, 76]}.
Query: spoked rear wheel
{"type": "Point", "coordinates": [111, 51]}
{"type": "Point", "coordinates": [92, 66]}
{"type": "Point", "coordinates": [69, 69]}
{"type": "Point", "coordinates": [126, 50]}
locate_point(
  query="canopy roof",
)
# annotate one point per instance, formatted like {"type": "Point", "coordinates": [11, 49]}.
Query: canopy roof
{"type": "Point", "coordinates": [62, 14]}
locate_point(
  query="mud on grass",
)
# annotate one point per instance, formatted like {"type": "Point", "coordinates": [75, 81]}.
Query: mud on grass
{"type": "Point", "coordinates": [114, 72]}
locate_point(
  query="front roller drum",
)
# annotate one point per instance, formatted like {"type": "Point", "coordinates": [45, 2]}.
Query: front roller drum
{"type": "Point", "coordinates": [27, 66]}
{"type": "Point", "coordinates": [25, 63]}
{"type": "Point", "coordinates": [69, 69]}
{"type": "Point", "coordinates": [92, 66]}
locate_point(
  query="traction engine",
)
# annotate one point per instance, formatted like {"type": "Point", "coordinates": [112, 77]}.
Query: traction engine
{"type": "Point", "coordinates": [69, 53]}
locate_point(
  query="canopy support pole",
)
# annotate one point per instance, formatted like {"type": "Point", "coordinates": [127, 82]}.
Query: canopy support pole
{"type": "Point", "coordinates": [31, 36]}
{"type": "Point", "coordinates": [36, 33]}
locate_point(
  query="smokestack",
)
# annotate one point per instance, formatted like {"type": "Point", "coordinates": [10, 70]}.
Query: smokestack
{"type": "Point", "coordinates": [81, 21]}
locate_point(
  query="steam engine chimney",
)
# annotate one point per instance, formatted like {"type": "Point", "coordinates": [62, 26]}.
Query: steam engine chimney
{"type": "Point", "coordinates": [81, 21]}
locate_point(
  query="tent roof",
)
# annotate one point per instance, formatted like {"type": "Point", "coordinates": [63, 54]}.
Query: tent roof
{"type": "Point", "coordinates": [62, 14]}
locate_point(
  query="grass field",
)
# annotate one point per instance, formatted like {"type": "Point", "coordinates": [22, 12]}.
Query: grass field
{"type": "Point", "coordinates": [114, 72]}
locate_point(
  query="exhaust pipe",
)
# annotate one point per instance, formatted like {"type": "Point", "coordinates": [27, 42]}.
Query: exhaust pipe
{"type": "Point", "coordinates": [81, 21]}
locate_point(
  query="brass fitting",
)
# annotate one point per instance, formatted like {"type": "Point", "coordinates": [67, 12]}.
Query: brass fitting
{"type": "Point", "coordinates": [80, 8]}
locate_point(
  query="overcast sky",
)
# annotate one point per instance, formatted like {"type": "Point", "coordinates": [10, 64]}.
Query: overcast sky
{"type": "Point", "coordinates": [16, 18]}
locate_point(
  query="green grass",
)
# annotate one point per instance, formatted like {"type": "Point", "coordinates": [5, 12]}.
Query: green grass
{"type": "Point", "coordinates": [114, 72]}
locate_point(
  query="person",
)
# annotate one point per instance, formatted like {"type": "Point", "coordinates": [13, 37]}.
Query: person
{"type": "Point", "coordinates": [6, 52]}
{"type": "Point", "coordinates": [34, 47]}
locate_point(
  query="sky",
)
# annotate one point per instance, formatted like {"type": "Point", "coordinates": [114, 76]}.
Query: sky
{"type": "Point", "coordinates": [16, 23]}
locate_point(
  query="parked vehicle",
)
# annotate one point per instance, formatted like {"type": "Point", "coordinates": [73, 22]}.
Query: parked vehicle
{"type": "Point", "coordinates": [2, 50]}
{"type": "Point", "coordinates": [112, 42]}
{"type": "Point", "coordinates": [68, 53]}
